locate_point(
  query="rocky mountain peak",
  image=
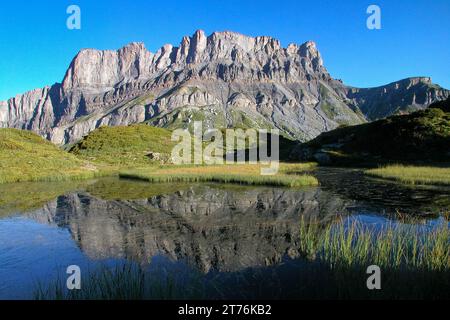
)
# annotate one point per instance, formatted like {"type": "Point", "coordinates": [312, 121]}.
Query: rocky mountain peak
{"type": "Point", "coordinates": [191, 48]}
{"type": "Point", "coordinates": [412, 81]}
{"type": "Point", "coordinates": [227, 78]}
{"type": "Point", "coordinates": [103, 69]}
{"type": "Point", "coordinates": [309, 50]}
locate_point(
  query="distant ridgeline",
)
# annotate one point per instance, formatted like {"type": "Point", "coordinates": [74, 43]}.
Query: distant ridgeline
{"type": "Point", "coordinates": [419, 137]}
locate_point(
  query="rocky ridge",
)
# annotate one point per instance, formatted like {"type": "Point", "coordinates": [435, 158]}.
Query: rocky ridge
{"type": "Point", "coordinates": [225, 79]}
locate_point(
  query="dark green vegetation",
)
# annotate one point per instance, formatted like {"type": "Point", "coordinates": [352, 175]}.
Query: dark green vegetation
{"type": "Point", "coordinates": [444, 105]}
{"type": "Point", "coordinates": [107, 150]}
{"type": "Point", "coordinates": [419, 137]}
{"type": "Point", "coordinates": [394, 246]}
{"type": "Point", "coordinates": [414, 265]}
{"type": "Point", "coordinates": [24, 156]}
{"type": "Point", "coordinates": [285, 147]}
{"type": "Point", "coordinates": [130, 146]}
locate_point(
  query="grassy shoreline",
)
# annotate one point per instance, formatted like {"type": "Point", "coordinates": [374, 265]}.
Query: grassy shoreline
{"type": "Point", "coordinates": [290, 175]}
{"type": "Point", "coordinates": [137, 152]}
{"type": "Point", "coordinates": [415, 175]}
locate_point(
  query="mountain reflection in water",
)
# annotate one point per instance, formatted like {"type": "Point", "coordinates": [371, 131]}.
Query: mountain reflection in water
{"type": "Point", "coordinates": [210, 227]}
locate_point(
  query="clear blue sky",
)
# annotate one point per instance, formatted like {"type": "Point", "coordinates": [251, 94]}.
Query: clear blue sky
{"type": "Point", "coordinates": [36, 47]}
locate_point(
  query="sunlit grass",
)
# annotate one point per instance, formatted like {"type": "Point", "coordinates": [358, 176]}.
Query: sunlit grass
{"type": "Point", "coordinates": [124, 146]}
{"type": "Point", "coordinates": [290, 175]}
{"type": "Point", "coordinates": [27, 157]}
{"type": "Point", "coordinates": [24, 156]}
{"type": "Point", "coordinates": [413, 174]}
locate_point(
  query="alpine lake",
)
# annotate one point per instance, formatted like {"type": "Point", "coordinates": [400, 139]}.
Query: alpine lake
{"type": "Point", "coordinates": [208, 240]}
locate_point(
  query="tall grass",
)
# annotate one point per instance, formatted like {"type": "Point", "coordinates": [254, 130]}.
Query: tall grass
{"type": "Point", "coordinates": [413, 174]}
{"type": "Point", "coordinates": [392, 246]}
{"type": "Point", "coordinates": [289, 175]}
{"type": "Point", "coordinates": [414, 264]}
{"type": "Point", "coordinates": [128, 281]}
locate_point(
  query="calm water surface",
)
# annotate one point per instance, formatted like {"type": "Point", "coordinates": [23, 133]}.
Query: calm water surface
{"type": "Point", "coordinates": [213, 229]}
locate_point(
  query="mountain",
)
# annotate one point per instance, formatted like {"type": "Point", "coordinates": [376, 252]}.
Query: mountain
{"type": "Point", "coordinates": [399, 97]}
{"type": "Point", "coordinates": [225, 79]}
{"type": "Point", "coordinates": [422, 136]}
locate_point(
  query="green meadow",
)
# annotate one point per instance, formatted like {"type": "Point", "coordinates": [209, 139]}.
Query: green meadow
{"type": "Point", "coordinates": [124, 146]}
{"type": "Point", "coordinates": [24, 156]}
{"type": "Point", "coordinates": [136, 152]}
{"type": "Point", "coordinates": [143, 152]}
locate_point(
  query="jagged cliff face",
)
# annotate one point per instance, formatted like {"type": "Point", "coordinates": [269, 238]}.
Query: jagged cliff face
{"type": "Point", "coordinates": [209, 228]}
{"type": "Point", "coordinates": [225, 80]}
{"type": "Point", "coordinates": [399, 97]}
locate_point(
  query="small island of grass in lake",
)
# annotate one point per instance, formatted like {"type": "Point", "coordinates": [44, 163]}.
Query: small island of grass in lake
{"type": "Point", "coordinates": [289, 175]}
{"type": "Point", "coordinates": [413, 174]}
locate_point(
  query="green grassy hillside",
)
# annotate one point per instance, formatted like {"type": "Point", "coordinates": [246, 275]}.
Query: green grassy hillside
{"type": "Point", "coordinates": [420, 137]}
{"type": "Point", "coordinates": [25, 156]}
{"type": "Point", "coordinates": [125, 146]}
